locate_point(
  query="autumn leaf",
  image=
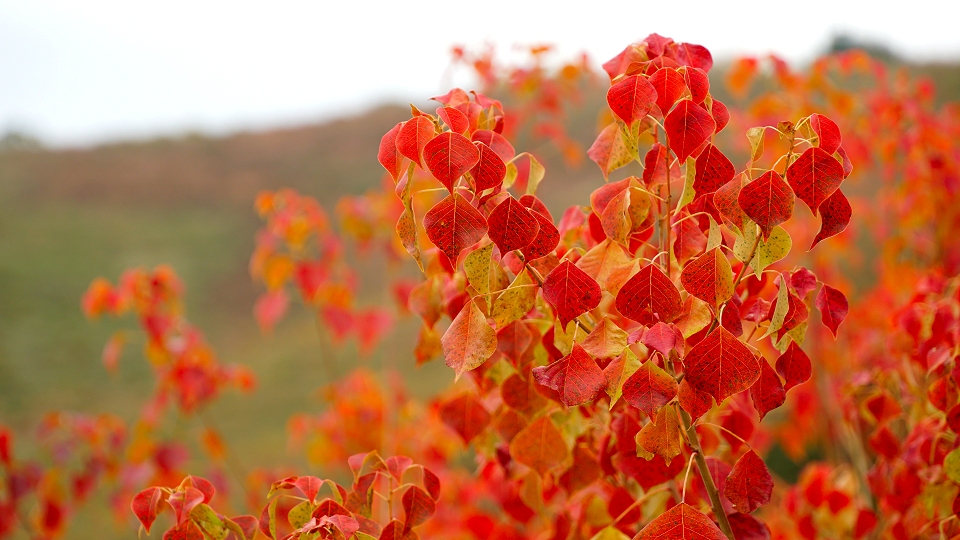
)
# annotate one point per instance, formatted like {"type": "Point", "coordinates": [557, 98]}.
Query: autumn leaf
{"type": "Point", "coordinates": [418, 506]}
{"type": "Point", "coordinates": [835, 213]}
{"type": "Point", "coordinates": [650, 388]}
{"type": "Point", "coordinates": [388, 155]}
{"type": "Point", "coordinates": [469, 341]}
{"type": "Point", "coordinates": [709, 278]}
{"type": "Point", "coordinates": [670, 86]}
{"type": "Point", "coordinates": [695, 402]}
{"type": "Point", "coordinates": [649, 297]}
{"type": "Point", "coordinates": [607, 340]}
{"type": "Point", "coordinates": [516, 301]}
{"type": "Point", "coordinates": [512, 226]}
{"type": "Point", "coordinates": [768, 201]}
{"type": "Point", "coordinates": [768, 392]}
{"type": "Point", "coordinates": [576, 377]}
{"type": "Point", "coordinates": [713, 171]}
{"type": "Point", "coordinates": [721, 365]}
{"type": "Point", "coordinates": [448, 156]}
{"type": "Point", "coordinates": [814, 176]}
{"type": "Point", "coordinates": [413, 136]}
{"type": "Point", "coordinates": [497, 142]}
{"type": "Point", "coordinates": [612, 149]}
{"type": "Point", "coordinates": [546, 241]}
{"type": "Point", "coordinates": [663, 338]}
{"type": "Point", "coordinates": [455, 119]}
{"type": "Point", "coordinates": [833, 307]}
{"type": "Point", "coordinates": [539, 446]}
{"type": "Point", "coordinates": [453, 224]}
{"type": "Point", "coordinates": [570, 291]}
{"type": "Point", "coordinates": [682, 522]}
{"type": "Point", "coordinates": [727, 201]}
{"type": "Point", "coordinates": [688, 126]}
{"type": "Point", "coordinates": [465, 415]}
{"type": "Point", "coordinates": [146, 506]}
{"type": "Point", "coordinates": [749, 484]}
{"type": "Point", "coordinates": [794, 366]}
{"type": "Point", "coordinates": [490, 169]}
{"type": "Point", "coordinates": [631, 98]}
{"type": "Point", "coordinates": [662, 437]}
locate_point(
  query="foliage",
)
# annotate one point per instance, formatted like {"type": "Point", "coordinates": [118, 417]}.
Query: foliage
{"type": "Point", "coordinates": [669, 324]}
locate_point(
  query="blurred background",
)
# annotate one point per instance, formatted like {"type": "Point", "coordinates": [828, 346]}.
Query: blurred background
{"type": "Point", "coordinates": [135, 134]}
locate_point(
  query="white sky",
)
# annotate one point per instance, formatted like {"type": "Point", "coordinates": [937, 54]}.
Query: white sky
{"type": "Point", "coordinates": [78, 72]}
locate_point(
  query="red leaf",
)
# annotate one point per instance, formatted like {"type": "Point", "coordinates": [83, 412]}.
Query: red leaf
{"type": "Point", "coordinates": [655, 165]}
{"type": "Point", "coordinates": [453, 224]}
{"type": "Point", "coordinates": [747, 527]}
{"type": "Point", "coordinates": [512, 226]}
{"type": "Point", "coordinates": [835, 215]}
{"type": "Point", "coordinates": [205, 486]}
{"type": "Point", "coordinates": [146, 506]}
{"type": "Point", "coordinates": [693, 401]}
{"type": "Point", "coordinates": [749, 485]}
{"type": "Point", "coordinates": [539, 446]}
{"type": "Point", "coordinates": [794, 366]}
{"type": "Point", "coordinates": [721, 366]}
{"type": "Point", "coordinates": [720, 114]}
{"type": "Point", "coordinates": [833, 307]}
{"type": "Point", "coordinates": [413, 136]}
{"type": "Point", "coordinates": [767, 200]}
{"type": "Point", "coordinates": [713, 171]}
{"type": "Point", "coordinates": [388, 155]}
{"type": "Point", "coordinates": [649, 297]}
{"type": "Point", "coordinates": [309, 486]}
{"type": "Point", "coordinates": [418, 506]}
{"type": "Point", "coordinates": [448, 156]}
{"type": "Point", "coordinates": [689, 54]}
{"type": "Point", "coordinates": [709, 278]}
{"type": "Point", "coordinates": [456, 120]}
{"type": "Point", "coordinates": [631, 98]}
{"type": "Point", "coordinates": [768, 392]}
{"type": "Point", "coordinates": [490, 169]}
{"type": "Point", "coordinates": [814, 176]}
{"type": "Point", "coordinates": [576, 377]}
{"type": "Point", "coordinates": [469, 341]}
{"type": "Point", "coordinates": [466, 416]}
{"type": "Point", "coordinates": [727, 201]}
{"type": "Point", "coordinates": [663, 338]}
{"type": "Point", "coordinates": [687, 127]}
{"type": "Point", "coordinates": [682, 522]}
{"type": "Point", "coordinates": [547, 240]}
{"type": "Point", "coordinates": [183, 501]}
{"type": "Point", "coordinates": [670, 87]}
{"type": "Point", "coordinates": [697, 81]}
{"type": "Point", "coordinates": [649, 388]}
{"type": "Point", "coordinates": [497, 142]}
{"type": "Point", "coordinates": [570, 291]}
{"type": "Point", "coordinates": [827, 131]}
{"type": "Point", "coordinates": [397, 531]}
{"type": "Point", "coordinates": [247, 525]}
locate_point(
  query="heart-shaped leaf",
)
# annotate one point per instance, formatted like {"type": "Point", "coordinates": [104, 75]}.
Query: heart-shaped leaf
{"type": "Point", "coordinates": [709, 278]}
{"type": "Point", "coordinates": [512, 226]}
{"type": "Point", "coordinates": [721, 365]}
{"type": "Point", "coordinates": [835, 215]}
{"type": "Point", "coordinates": [570, 291]}
{"type": "Point", "coordinates": [833, 307]}
{"type": "Point", "coordinates": [814, 176]}
{"type": "Point", "coordinates": [649, 297]}
{"type": "Point", "coordinates": [539, 446]}
{"type": "Point", "coordinates": [687, 126]}
{"type": "Point", "coordinates": [650, 388]}
{"type": "Point", "coordinates": [682, 522]}
{"type": "Point", "coordinates": [469, 341]}
{"type": "Point", "coordinates": [576, 377]}
{"type": "Point", "coordinates": [413, 136]}
{"type": "Point", "coordinates": [448, 156]}
{"type": "Point", "coordinates": [631, 98]}
{"type": "Point", "coordinates": [453, 224]}
{"type": "Point", "coordinates": [749, 484]}
{"type": "Point", "coordinates": [768, 201]}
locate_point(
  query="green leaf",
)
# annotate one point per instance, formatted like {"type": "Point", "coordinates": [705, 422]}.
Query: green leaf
{"type": "Point", "coordinates": [300, 514]}
{"type": "Point", "coordinates": [516, 301]}
{"type": "Point", "coordinates": [209, 522]}
{"type": "Point", "coordinates": [769, 251]}
{"type": "Point", "coordinates": [951, 465]}
{"type": "Point", "coordinates": [477, 267]}
{"type": "Point", "coordinates": [688, 193]}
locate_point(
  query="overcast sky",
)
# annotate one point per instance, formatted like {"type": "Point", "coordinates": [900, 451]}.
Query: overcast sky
{"type": "Point", "coordinates": [79, 72]}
